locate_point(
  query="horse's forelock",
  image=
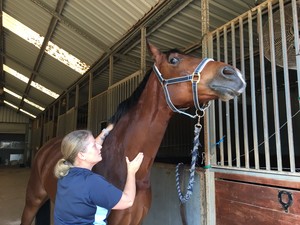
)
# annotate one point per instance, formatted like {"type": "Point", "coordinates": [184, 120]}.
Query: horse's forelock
{"type": "Point", "coordinates": [174, 50]}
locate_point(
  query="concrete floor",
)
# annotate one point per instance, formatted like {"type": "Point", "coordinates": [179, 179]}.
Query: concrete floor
{"type": "Point", "coordinates": [13, 182]}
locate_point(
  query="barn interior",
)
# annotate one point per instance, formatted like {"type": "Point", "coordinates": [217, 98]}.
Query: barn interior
{"type": "Point", "coordinates": [80, 59]}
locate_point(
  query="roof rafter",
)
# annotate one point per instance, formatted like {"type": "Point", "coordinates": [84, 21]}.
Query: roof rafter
{"type": "Point", "coordinates": [72, 25]}
{"type": "Point", "coordinates": [31, 70]}
{"type": "Point", "coordinates": [51, 28]}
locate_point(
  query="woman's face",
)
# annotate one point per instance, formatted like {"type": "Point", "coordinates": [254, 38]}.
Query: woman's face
{"type": "Point", "coordinates": [93, 151]}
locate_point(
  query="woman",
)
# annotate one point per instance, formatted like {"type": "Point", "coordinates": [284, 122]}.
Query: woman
{"type": "Point", "coordinates": [84, 197]}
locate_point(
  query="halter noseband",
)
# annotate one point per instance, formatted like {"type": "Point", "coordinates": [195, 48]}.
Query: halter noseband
{"type": "Point", "coordinates": [194, 78]}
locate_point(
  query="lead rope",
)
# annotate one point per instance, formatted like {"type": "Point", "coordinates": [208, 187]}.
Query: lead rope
{"type": "Point", "coordinates": [189, 192]}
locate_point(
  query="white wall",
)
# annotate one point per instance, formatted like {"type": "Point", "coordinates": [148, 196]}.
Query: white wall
{"type": "Point", "coordinates": [165, 208]}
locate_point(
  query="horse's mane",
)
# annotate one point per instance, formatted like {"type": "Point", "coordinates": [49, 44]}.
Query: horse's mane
{"type": "Point", "coordinates": [128, 103]}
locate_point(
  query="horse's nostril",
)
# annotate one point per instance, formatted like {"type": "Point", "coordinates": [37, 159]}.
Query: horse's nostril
{"type": "Point", "coordinates": [228, 71]}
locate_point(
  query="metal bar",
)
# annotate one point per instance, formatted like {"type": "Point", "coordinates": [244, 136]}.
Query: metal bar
{"type": "Point", "coordinates": [59, 108]}
{"type": "Point", "coordinates": [274, 88]}
{"type": "Point", "coordinates": [286, 88]}
{"type": "Point", "coordinates": [204, 26]}
{"type": "Point", "coordinates": [143, 50]}
{"type": "Point", "coordinates": [76, 106]}
{"type": "Point", "coordinates": [263, 88]}
{"type": "Point", "coordinates": [297, 44]}
{"type": "Point", "coordinates": [228, 127]}
{"type": "Point", "coordinates": [53, 114]}
{"type": "Point", "coordinates": [90, 86]}
{"type": "Point", "coordinates": [220, 113]}
{"type": "Point", "coordinates": [111, 71]}
{"type": "Point", "coordinates": [244, 101]}
{"type": "Point", "coordinates": [235, 102]}
{"type": "Point", "coordinates": [253, 97]}
{"type": "Point", "coordinates": [271, 173]}
{"type": "Point", "coordinates": [212, 115]}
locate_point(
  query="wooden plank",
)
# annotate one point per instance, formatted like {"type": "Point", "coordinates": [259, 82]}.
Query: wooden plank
{"type": "Point", "coordinates": [257, 195]}
{"type": "Point", "coordinates": [236, 213]}
{"type": "Point", "coordinates": [259, 180]}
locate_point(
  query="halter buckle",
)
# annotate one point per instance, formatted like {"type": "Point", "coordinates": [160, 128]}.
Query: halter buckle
{"type": "Point", "coordinates": [196, 77]}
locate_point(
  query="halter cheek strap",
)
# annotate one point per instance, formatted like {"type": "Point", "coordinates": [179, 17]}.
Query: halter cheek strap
{"type": "Point", "coordinates": [194, 78]}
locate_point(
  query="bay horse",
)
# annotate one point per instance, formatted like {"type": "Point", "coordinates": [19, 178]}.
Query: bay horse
{"type": "Point", "coordinates": [139, 126]}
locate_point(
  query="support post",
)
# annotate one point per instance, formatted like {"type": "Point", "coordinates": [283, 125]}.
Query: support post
{"type": "Point", "coordinates": [143, 53]}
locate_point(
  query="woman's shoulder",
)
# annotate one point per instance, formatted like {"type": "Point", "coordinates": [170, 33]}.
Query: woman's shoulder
{"type": "Point", "coordinates": [79, 170]}
{"type": "Point", "coordinates": [86, 172]}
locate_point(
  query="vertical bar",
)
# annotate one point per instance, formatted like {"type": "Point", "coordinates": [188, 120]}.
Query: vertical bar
{"type": "Point", "coordinates": [76, 106]}
{"type": "Point", "coordinates": [127, 89]}
{"type": "Point", "coordinates": [109, 102]}
{"type": "Point", "coordinates": [59, 108]}
{"type": "Point", "coordinates": [253, 98]}
{"type": "Point", "coordinates": [212, 114]}
{"type": "Point", "coordinates": [48, 114]}
{"type": "Point", "coordinates": [143, 51]}
{"type": "Point", "coordinates": [53, 113]}
{"type": "Point", "coordinates": [274, 88]}
{"type": "Point", "coordinates": [89, 124]}
{"type": "Point", "coordinates": [297, 43]}
{"type": "Point", "coordinates": [2, 60]}
{"type": "Point", "coordinates": [67, 101]}
{"type": "Point", "coordinates": [209, 210]}
{"type": "Point", "coordinates": [58, 114]}
{"type": "Point", "coordinates": [235, 102]}
{"type": "Point", "coordinates": [244, 101]}
{"type": "Point", "coordinates": [204, 30]}
{"type": "Point", "coordinates": [220, 113]}
{"type": "Point", "coordinates": [263, 89]}
{"type": "Point", "coordinates": [111, 70]}
{"type": "Point", "coordinates": [287, 89]}
{"type": "Point", "coordinates": [204, 26]}
{"type": "Point", "coordinates": [228, 129]}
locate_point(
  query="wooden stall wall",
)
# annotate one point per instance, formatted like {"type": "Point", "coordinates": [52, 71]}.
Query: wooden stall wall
{"type": "Point", "coordinates": [249, 200]}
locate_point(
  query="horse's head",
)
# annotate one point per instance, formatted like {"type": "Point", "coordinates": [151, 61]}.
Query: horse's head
{"type": "Point", "coordinates": [211, 79]}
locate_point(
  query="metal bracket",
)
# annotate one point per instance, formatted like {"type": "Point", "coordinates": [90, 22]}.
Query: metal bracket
{"type": "Point", "coordinates": [281, 198]}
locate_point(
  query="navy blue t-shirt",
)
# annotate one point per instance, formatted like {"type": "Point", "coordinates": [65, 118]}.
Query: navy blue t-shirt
{"type": "Point", "coordinates": [80, 194]}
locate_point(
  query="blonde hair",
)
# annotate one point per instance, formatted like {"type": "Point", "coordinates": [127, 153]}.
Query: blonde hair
{"type": "Point", "coordinates": [71, 145]}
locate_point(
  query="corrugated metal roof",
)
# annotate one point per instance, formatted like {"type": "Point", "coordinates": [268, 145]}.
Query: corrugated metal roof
{"type": "Point", "coordinates": [92, 30]}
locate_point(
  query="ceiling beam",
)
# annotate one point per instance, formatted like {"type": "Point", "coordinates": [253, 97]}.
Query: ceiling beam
{"type": "Point", "coordinates": [59, 8]}
{"type": "Point", "coordinates": [2, 74]}
{"type": "Point", "coordinates": [70, 24]}
{"type": "Point", "coordinates": [7, 56]}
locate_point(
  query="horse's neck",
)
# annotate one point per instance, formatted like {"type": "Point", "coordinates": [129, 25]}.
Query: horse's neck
{"type": "Point", "coordinates": [140, 130]}
{"type": "Point", "coordinates": [147, 122]}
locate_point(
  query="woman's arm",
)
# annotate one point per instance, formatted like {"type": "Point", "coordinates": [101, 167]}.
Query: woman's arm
{"type": "Point", "coordinates": [100, 138]}
{"type": "Point", "coordinates": [128, 195]}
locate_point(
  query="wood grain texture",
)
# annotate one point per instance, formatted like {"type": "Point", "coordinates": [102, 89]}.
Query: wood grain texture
{"type": "Point", "coordinates": [254, 203]}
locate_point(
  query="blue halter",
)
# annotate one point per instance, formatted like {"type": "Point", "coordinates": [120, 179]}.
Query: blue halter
{"type": "Point", "coordinates": [194, 78]}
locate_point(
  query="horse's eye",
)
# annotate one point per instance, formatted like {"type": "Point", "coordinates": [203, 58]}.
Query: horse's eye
{"type": "Point", "coordinates": [174, 60]}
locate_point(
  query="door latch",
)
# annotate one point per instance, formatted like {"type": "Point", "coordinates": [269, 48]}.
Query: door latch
{"type": "Point", "coordinates": [285, 198]}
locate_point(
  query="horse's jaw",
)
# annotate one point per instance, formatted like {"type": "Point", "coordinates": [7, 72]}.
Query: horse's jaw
{"type": "Point", "coordinates": [226, 93]}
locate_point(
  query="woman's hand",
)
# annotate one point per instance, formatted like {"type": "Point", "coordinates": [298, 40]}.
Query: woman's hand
{"type": "Point", "coordinates": [103, 134]}
{"type": "Point", "coordinates": [134, 165]}
{"type": "Point", "coordinates": [129, 192]}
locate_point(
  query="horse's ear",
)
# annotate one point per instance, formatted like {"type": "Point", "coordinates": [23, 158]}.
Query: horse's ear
{"type": "Point", "coordinates": [154, 52]}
